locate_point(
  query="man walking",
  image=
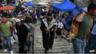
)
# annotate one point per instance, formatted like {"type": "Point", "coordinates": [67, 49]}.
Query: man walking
{"type": "Point", "coordinates": [86, 22]}
{"type": "Point", "coordinates": [91, 45]}
{"type": "Point", "coordinates": [6, 29]}
{"type": "Point", "coordinates": [48, 28]}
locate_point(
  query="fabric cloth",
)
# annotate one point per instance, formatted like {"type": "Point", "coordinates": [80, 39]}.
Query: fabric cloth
{"type": "Point", "coordinates": [65, 6]}
{"type": "Point", "coordinates": [49, 25]}
{"type": "Point", "coordinates": [67, 22]}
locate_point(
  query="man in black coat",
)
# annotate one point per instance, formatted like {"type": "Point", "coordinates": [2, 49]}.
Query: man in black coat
{"type": "Point", "coordinates": [48, 26]}
{"type": "Point", "coordinates": [22, 32]}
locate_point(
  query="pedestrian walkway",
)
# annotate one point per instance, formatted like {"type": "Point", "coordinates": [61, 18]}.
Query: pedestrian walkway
{"type": "Point", "coordinates": [60, 45]}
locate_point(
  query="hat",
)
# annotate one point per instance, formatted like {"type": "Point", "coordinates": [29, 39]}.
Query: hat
{"type": "Point", "coordinates": [18, 20]}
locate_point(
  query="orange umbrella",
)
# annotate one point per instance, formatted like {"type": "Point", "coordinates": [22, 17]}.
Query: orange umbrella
{"type": "Point", "coordinates": [7, 7]}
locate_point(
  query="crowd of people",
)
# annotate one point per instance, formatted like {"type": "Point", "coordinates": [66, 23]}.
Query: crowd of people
{"type": "Point", "coordinates": [81, 30]}
{"type": "Point", "coordinates": [16, 28]}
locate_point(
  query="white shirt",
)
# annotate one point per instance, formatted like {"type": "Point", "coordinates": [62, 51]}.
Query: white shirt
{"type": "Point", "coordinates": [60, 25]}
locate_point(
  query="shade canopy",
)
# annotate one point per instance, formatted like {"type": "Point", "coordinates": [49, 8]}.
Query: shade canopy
{"type": "Point", "coordinates": [67, 5]}
{"type": "Point", "coordinates": [78, 10]}
{"type": "Point", "coordinates": [42, 3]}
{"type": "Point", "coordinates": [8, 7]}
{"type": "Point", "coordinates": [28, 4]}
{"type": "Point", "coordinates": [68, 20]}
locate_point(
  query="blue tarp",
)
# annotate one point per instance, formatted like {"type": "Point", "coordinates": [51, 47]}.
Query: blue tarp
{"type": "Point", "coordinates": [65, 6]}
{"type": "Point", "coordinates": [78, 10]}
{"type": "Point", "coordinates": [68, 20]}
{"type": "Point", "coordinates": [28, 4]}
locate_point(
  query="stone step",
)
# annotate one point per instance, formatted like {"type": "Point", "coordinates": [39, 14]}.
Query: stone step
{"type": "Point", "coordinates": [60, 50]}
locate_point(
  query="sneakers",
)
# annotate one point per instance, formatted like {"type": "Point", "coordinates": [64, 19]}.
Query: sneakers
{"type": "Point", "coordinates": [5, 50]}
{"type": "Point", "coordinates": [11, 52]}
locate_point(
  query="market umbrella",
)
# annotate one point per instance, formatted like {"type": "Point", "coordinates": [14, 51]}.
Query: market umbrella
{"type": "Point", "coordinates": [28, 4]}
{"type": "Point", "coordinates": [67, 5]}
{"type": "Point", "coordinates": [8, 7]}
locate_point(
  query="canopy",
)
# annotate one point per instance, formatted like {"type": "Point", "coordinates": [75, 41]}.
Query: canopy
{"type": "Point", "coordinates": [8, 7]}
{"type": "Point", "coordinates": [28, 0]}
{"type": "Point", "coordinates": [55, 2]}
{"type": "Point", "coordinates": [68, 20]}
{"type": "Point", "coordinates": [28, 4]}
{"type": "Point", "coordinates": [65, 6]}
{"type": "Point", "coordinates": [42, 3]}
{"type": "Point", "coordinates": [78, 10]}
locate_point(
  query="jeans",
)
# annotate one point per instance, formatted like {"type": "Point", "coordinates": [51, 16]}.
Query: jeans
{"type": "Point", "coordinates": [7, 43]}
{"type": "Point", "coordinates": [79, 45]}
{"type": "Point", "coordinates": [91, 44]}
